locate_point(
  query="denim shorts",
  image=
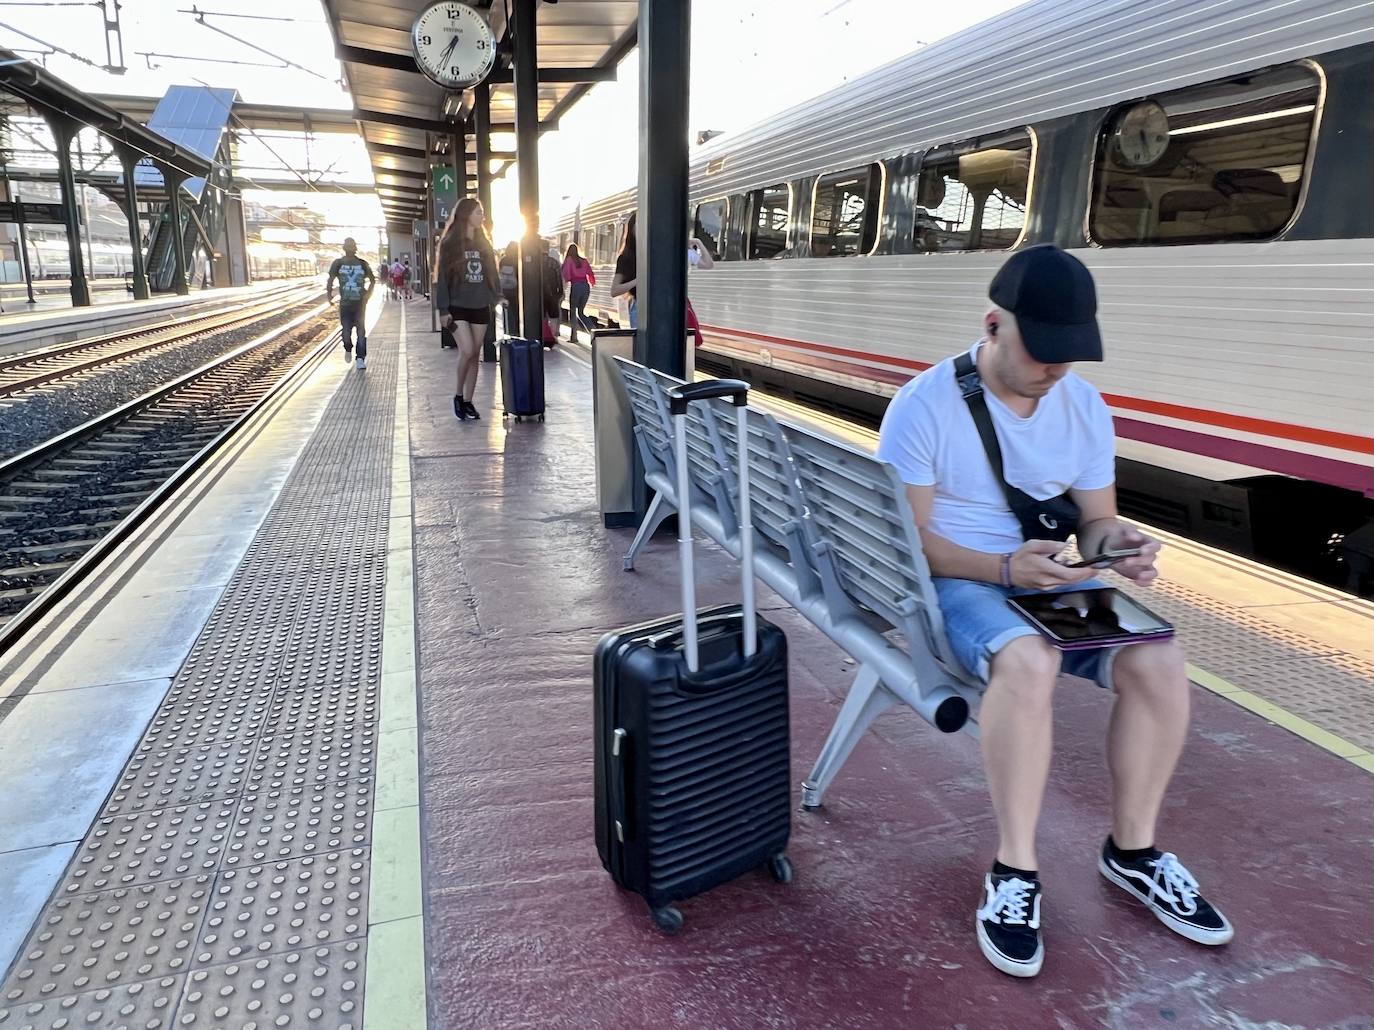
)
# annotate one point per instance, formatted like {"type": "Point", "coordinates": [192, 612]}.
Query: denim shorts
{"type": "Point", "coordinates": [979, 623]}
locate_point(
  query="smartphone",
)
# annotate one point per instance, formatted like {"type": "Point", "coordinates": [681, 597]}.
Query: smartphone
{"type": "Point", "coordinates": [1104, 559]}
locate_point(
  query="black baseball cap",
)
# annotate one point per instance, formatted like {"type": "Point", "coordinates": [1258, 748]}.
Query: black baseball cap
{"type": "Point", "coordinates": [1051, 293]}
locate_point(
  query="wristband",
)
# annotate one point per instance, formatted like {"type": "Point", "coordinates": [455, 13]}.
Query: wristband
{"type": "Point", "coordinates": [1006, 570]}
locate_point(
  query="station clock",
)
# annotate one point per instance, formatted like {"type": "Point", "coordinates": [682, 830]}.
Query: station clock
{"type": "Point", "coordinates": [453, 45]}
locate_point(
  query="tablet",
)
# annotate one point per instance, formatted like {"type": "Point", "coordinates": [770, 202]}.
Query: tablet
{"type": "Point", "coordinates": [1104, 617]}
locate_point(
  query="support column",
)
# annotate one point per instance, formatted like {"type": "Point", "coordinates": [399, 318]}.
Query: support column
{"type": "Point", "coordinates": [481, 131]}
{"type": "Point", "coordinates": [527, 165]}
{"type": "Point", "coordinates": [665, 35]}
{"type": "Point", "coordinates": [174, 179]}
{"type": "Point", "coordinates": [128, 159]}
{"type": "Point", "coordinates": [64, 132]}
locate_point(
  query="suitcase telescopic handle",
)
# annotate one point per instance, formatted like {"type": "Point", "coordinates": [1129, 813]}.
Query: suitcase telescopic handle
{"type": "Point", "coordinates": [679, 398]}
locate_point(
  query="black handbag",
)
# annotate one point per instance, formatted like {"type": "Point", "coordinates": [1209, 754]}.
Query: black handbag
{"type": "Point", "coordinates": [1055, 518]}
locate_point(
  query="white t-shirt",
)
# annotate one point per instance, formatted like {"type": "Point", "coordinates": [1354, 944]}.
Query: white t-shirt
{"type": "Point", "coordinates": [929, 435]}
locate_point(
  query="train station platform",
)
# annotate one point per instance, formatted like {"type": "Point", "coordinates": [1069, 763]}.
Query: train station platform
{"type": "Point", "coordinates": [53, 319]}
{"type": "Point", "coordinates": [318, 751]}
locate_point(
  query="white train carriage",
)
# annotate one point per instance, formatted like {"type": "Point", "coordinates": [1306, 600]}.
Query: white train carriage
{"type": "Point", "coordinates": [1207, 160]}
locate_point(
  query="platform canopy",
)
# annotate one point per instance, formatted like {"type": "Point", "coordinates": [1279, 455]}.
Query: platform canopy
{"type": "Point", "coordinates": [406, 120]}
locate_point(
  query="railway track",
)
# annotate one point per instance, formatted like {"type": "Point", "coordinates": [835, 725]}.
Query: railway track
{"type": "Point", "coordinates": [34, 369]}
{"type": "Point", "coordinates": [67, 502]}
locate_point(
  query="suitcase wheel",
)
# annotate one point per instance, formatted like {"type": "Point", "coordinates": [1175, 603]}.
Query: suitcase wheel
{"type": "Point", "coordinates": [668, 919]}
{"type": "Point", "coordinates": [780, 868]}
{"type": "Point", "coordinates": [541, 418]}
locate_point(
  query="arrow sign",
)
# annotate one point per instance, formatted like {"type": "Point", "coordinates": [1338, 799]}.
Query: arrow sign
{"type": "Point", "coordinates": [443, 183]}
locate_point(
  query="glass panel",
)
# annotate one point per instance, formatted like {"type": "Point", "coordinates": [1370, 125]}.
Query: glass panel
{"type": "Point", "coordinates": [1208, 164]}
{"type": "Point", "coordinates": [769, 214]}
{"type": "Point", "coordinates": [972, 198]}
{"type": "Point", "coordinates": [845, 215]}
{"type": "Point", "coordinates": [710, 226]}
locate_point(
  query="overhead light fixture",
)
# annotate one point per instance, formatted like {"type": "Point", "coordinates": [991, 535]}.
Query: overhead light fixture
{"type": "Point", "coordinates": [1245, 120]}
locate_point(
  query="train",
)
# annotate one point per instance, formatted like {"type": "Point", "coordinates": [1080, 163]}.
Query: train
{"type": "Point", "coordinates": [49, 259]}
{"type": "Point", "coordinates": [1203, 158]}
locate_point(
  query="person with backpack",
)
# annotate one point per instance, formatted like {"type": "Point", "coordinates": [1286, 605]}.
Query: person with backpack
{"type": "Point", "coordinates": [553, 295]}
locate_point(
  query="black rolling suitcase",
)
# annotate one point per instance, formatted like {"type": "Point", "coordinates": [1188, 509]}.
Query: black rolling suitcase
{"type": "Point", "coordinates": [522, 378]}
{"type": "Point", "coordinates": [693, 779]}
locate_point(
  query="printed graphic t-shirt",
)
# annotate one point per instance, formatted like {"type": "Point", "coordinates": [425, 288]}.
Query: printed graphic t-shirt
{"type": "Point", "coordinates": [352, 274]}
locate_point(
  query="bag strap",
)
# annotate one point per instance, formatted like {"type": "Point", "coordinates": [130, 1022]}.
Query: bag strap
{"type": "Point", "coordinates": [971, 386]}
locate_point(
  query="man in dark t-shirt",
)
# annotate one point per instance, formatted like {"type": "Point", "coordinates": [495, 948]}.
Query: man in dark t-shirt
{"type": "Point", "coordinates": [355, 287]}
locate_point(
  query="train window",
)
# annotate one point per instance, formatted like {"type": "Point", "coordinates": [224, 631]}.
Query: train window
{"type": "Point", "coordinates": [605, 243]}
{"type": "Point", "coordinates": [769, 216]}
{"type": "Point", "coordinates": [844, 212]}
{"type": "Point", "coordinates": [1207, 164]}
{"type": "Point", "coordinates": [972, 196]}
{"type": "Point", "coordinates": [712, 216]}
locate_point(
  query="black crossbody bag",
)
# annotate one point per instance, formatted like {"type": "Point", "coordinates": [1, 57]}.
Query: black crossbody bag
{"type": "Point", "coordinates": [1055, 518]}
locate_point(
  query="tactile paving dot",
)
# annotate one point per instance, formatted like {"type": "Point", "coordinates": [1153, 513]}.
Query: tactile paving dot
{"type": "Point", "coordinates": [318, 757]}
{"type": "Point", "coordinates": [317, 987]}
{"type": "Point", "coordinates": [141, 1006]}
{"type": "Point", "coordinates": [286, 905]}
{"type": "Point", "coordinates": [140, 847]}
{"type": "Point", "coordinates": [163, 779]}
{"type": "Point", "coordinates": [110, 938]}
{"type": "Point", "coordinates": [187, 719]}
{"type": "Point", "coordinates": [313, 820]}
{"type": "Point", "coordinates": [334, 703]}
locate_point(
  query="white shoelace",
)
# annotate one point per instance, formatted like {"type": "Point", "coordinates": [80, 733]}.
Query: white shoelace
{"type": "Point", "coordinates": [1175, 883]}
{"type": "Point", "coordinates": [1007, 907]}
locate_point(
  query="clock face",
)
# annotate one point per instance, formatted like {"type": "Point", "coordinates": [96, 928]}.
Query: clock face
{"type": "Point", "coordinates": [453, 45]}
{"type": "Point", "coordinates": [1142, 134]}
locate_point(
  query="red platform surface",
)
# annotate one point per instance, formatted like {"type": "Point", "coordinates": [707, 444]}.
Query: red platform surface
{"type": "Point", "coordinates": [516, 582]}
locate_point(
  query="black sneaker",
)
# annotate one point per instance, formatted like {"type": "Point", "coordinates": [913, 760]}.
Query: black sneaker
{"type": "Point", "coordinates": [460, 409]}
{"type": "Point", "coordinates": [1009, 925]}
{"type": "Point", "coordinates": [471, 410]}
{"type": "Point", "coordinates": [1170, 892]}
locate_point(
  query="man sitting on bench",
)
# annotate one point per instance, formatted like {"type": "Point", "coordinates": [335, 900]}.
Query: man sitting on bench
{"type": "Point", "coordinates": [1056, 442]}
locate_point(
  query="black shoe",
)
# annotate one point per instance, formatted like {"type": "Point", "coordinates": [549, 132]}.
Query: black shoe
{"type": "Point", "coordinates": [1170, 892]}
{"type": "Point", "coordinates": [460, 409]}
{"type": "Point", "coordinates": [1009, 924]}
{"type": "Point", "coordinates": [472, 411]}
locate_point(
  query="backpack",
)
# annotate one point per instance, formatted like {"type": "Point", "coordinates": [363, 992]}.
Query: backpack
{"type": "Point", "coordinates": [510, 282]}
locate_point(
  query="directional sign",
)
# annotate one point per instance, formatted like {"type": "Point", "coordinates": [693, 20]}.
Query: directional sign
{"type": "Point", "coordinates": [23, 211]}
{"type": "Point", "coordinates": [444, 184]}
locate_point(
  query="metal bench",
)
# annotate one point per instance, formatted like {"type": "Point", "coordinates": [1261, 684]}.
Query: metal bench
{"type": "Point", "coordinates": [834, 536]}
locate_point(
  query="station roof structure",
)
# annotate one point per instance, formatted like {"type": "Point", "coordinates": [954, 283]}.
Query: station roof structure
{"type": "Point", "coordinates": [404, 118]}
{"type": "Point", "coordinates": [45, 92]}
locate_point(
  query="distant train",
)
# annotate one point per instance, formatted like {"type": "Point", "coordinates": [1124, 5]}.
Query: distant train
{"type": "Point", "coordinates": [50, 260]}
{"type": "Point", "coordinates": [1204, 159]}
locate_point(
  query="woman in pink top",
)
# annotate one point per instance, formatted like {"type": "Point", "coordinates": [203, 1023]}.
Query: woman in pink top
{"type": "Point", "coordinates": [578, 274]}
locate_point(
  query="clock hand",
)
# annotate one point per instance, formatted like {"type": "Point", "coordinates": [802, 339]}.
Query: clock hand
{"type": "Point", "coordinates": [448, 50]}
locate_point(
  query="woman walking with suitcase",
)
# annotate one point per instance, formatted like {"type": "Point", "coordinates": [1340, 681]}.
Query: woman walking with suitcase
{"type": "Point", "coordinates": [466, 288]}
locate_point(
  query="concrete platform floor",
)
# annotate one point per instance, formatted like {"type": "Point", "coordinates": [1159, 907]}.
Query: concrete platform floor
{"type": "Point", "coordinates": [515, 583]}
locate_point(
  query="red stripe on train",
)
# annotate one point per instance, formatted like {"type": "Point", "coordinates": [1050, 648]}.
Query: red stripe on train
{"type": "Point", "coordinates": [1221, 419]}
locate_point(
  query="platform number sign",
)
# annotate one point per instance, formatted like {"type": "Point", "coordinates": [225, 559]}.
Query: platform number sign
{"type": "Point", "coordinates": [453, 45]}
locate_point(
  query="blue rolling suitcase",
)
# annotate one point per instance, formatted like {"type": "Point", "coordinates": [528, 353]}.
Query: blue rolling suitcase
{"type": "Point", "coordinates": [692, 769]}
{"type": "Point", "coordinates": [522, 378]}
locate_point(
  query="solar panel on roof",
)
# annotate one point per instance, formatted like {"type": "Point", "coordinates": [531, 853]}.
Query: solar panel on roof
{"type": "Point", "coordinates": [194, 117]}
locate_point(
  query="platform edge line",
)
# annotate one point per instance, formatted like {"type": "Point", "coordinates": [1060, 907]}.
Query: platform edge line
{"type": "Point", "coordinates": [394, 987]}
{"type": "Point", "coordinates": [1281, 717]}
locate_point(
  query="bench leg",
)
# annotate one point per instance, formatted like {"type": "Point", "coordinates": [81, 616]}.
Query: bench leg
{"type": "Point", "coordinates": [659, 509]}
{"type": "Point", "coordinates": [867, 700]}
